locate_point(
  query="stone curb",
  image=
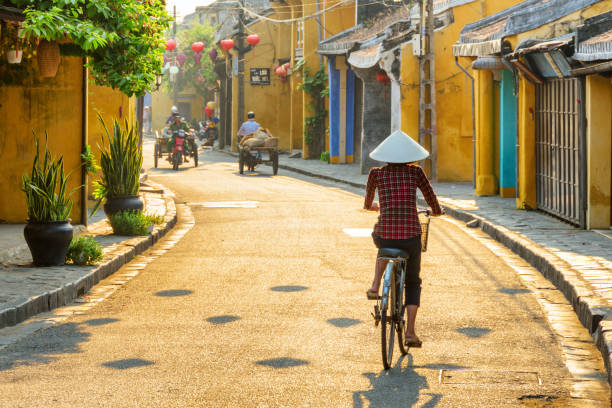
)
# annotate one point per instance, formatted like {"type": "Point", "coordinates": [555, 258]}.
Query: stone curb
{"type": "Point", "coordinates": [594, 314]}
{"type": "Point", "coordinates": [114, 260]}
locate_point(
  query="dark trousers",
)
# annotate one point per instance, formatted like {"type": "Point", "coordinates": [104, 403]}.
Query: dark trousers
{"type": "Point", "coordinates": [413, 265]}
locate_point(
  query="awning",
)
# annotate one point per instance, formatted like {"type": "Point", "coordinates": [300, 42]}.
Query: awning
{"type": "Point", "coordinates": [11, 14]}
{"type": "Point", "coordinates": [365, 58]}
{"type": "Point", "coordinates": [595, 48]}
{"type": "Point", "coordinates": [479, 49]}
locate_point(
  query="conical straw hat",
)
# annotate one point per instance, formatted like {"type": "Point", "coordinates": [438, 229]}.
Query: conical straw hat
{"type": "Point", "coordinates": [399, 148]}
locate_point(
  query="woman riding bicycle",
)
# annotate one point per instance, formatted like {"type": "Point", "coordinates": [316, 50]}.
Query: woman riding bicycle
{"type": "Point", "coordinates": [398, 224]}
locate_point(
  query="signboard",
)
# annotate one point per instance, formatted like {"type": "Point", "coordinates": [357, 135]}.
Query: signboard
{"type": "Point", "coordinates": [260, 76]}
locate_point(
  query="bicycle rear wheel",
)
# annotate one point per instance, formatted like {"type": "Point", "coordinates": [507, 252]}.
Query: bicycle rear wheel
{"type": "Point", "coordinates": [387, 326]}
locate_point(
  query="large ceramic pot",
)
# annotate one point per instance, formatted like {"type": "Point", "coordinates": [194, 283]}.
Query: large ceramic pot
{"type": "Point", "coordinates": [122, 203]}
{"type": "Point", "coordinates": [48, 241]}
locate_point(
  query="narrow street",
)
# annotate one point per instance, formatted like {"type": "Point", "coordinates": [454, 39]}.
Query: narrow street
{"type": "Point", "coordinates": [261, 304]}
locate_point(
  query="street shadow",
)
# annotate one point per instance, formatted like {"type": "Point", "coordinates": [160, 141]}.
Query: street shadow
{"type": "Point", "coordinates": [295, 288]}
{"type": "Point", "coordinates": [474, 332]}
{"type": "Point", "coordinates": [174, 293]}
{"type": "Point", "coordinates": [101, 321]}
{"type": "Point", "coordinates": [343, 322]}
{"type": "Point", "coordinates": [282, 362]}
{"type": "Point", "coordinates": [254, 174]}
{"type": "Point", "coordinates": [401, 386]}
{"type": "Point", "coordinates": [222, 319]}
{"type": "Point", "coordinates": [44, 346]}
{"type": "Point", "coordinates": [128, 363]}
{"type": "Point", "coordinates": [512, 291]}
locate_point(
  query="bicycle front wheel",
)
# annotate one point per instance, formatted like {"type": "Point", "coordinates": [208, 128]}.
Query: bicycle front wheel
{"type": "Point", "coordinates": [387, 326]}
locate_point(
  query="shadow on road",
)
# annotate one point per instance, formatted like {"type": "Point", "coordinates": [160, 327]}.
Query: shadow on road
{"type": "Point", "coordinates": [282, 362]}
{"type": "Point", "coordinates": [295, 288]}
{"type": "Point", "coordinates": [343, 322]}
{"type": "Point", "coordinates": [222, 319]}
{"type": "Point", "coordinates": [128, 363]}
{"type": "Point", "coordinates": [174, 293]}
{"type": "Point", "coordinates": [43, 346]}
{"type": "Point", "coordinates": [101, 321]}
{"type": "Point", "coordinates": [474, 332]}
{"type": "Point", "coordinates": [401, 386]}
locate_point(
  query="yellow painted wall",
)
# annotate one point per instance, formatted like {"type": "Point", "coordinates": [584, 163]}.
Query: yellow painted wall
{"type": "Point", "coordinates": [270, 103]}
{"type": "Point", "coordinates": [598, 134]}
{"type": "Point", "coordinates": [53, 105]}
{"type": "Point", "coordinates": [453, 93]}
{"type": "Point", "coordinates": [162, 101]}
{"type": "Point", "coordinates": [110, 104]}
{"type": "Point", "coordinates": [527, 198]}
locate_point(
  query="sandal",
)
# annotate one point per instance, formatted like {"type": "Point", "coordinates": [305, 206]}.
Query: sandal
{"type": "Point", "coordinates": [372, 295]}
{"type": "Point", "coordinates": [413, 342]}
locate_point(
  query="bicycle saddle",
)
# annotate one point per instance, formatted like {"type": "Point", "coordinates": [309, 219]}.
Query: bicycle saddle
{"type": "Point", "coordinates": [393, 253]}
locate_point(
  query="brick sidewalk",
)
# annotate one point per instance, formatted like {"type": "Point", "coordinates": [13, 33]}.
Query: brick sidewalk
{"type": "Point", "coordinates": [26, 290]}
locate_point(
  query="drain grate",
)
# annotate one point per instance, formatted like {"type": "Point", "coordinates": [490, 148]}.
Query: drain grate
{"type": "Point", "coordinates": [488, 377]}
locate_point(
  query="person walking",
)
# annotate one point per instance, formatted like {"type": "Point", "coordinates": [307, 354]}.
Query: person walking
{"type": "Point", "coordinates": [398, 223]}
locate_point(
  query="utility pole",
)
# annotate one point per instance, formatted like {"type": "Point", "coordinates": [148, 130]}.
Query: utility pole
{"type": "Point", "coordinates": [427, 88]}
{"type": "Point", "coordinates": [174, 88]}
{"type": "Point", "coordinates": [241, 52]}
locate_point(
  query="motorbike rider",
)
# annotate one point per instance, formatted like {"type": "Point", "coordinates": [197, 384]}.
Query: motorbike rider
{"type": "Point", "coordinates": [171, 117]}
{"type": "Point", "coordinates": [178, 124]}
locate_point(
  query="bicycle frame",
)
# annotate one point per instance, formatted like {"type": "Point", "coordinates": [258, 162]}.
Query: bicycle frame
{"type": "Point", "coordinates": [390, 278]}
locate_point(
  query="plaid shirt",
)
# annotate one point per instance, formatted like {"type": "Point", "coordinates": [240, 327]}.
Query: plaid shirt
{"type": "Point", "coordinates": [397, 195]}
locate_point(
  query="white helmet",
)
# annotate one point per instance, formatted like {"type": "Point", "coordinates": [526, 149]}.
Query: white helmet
{"type": "Point", "coordinates": [174, 109]}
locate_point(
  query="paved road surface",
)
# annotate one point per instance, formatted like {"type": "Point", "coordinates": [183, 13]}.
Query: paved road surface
{"type": "Point", "coordinates": [262, 304]}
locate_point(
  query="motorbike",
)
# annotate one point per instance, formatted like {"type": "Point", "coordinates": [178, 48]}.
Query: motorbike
{"type": "Point", "coordinates": [179, 153]}
{"type": "Point", "coordinates": [209, 132]}
{"type": "Point", "coordinates": [201, 131]}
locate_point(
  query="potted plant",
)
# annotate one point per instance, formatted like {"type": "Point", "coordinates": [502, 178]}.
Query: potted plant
{"type": "Point", "coordinates": [48, 231]}
{"type": "Point", "coordinates": [120, 161]}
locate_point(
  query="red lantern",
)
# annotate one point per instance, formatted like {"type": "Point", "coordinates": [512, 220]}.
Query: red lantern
{"type": "Point", "coordinates": [197, 46]}
{"type": "Point", "coordinates": [281, 71]}
{"type": "Point", "coordinates": [382, 77]}
{"type": "Point", "coordinates": [227, 44]}
{"type": "Point", "coordinates": [253, 39]}
{"type": "Point", "coordinates": [170, 45]}
{"type": "Point", "coordinates": [208, 111]}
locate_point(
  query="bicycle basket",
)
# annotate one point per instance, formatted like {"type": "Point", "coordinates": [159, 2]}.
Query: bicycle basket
{"type": "Point", "coordinates": [424, 220]}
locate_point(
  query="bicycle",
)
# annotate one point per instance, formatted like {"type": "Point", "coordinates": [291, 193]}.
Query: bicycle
{"type": "Point", "coordinates": [390, 309]}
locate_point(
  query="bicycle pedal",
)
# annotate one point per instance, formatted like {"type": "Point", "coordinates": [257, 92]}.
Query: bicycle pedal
{"type": "Point", "coordinates": [376, 315]}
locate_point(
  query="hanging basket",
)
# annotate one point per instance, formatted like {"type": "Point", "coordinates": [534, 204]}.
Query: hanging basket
{"type": "Point", "coordinates": [14, 56]}
{"type": "Point", "coordinates": [48, 58]}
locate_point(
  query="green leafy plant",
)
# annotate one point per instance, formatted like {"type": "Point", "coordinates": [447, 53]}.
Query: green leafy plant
{"type": "Point", "coordinates": [314, 125]}
{"type": "Point", "coordinates": [123, 40]}
{"type": "Point", "coordinates": [84, 251]}
{"type": "Point", "coordinates": [131, 223]}
{"type": "Point", "coordinates": [120, 161]}
{"type": "Point", "coordinates": [325, 157]}
{"type": "Point", "coordinates": [193, 76]}
{"type": "Point", "coordinates": [89, 160]}
{"type": "Point", "coordinates": [45, 188]}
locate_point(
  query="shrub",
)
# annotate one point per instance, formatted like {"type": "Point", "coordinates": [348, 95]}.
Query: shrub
{"type": "Point", "coordinates": [84, 251]}
{"type": "Point", "coordinates": [131, 223]}
{"type": "Point", "coordinates": [120, 161]}
{"type": "Point", "coordinates": [47, 198]}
